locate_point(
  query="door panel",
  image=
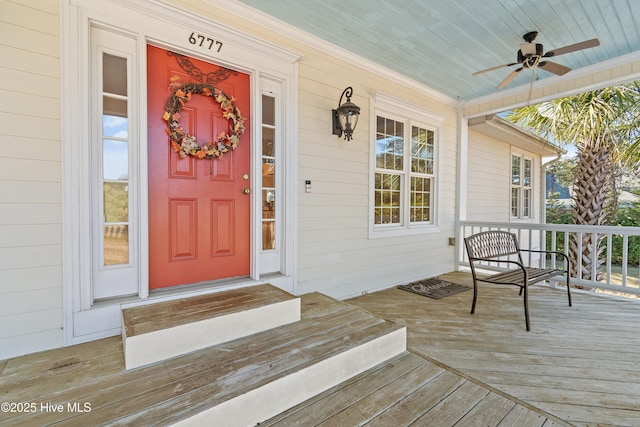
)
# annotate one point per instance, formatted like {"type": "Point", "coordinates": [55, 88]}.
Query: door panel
{"type": "Point", "coordinates": [199, 217]}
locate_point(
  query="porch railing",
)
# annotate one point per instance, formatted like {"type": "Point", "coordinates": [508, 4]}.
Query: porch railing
{"type": "Point", "coordinates": [618, 268]}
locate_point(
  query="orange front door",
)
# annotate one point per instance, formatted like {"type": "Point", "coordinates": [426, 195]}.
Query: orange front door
{"type": "Point", "coordinates": [199, 215]}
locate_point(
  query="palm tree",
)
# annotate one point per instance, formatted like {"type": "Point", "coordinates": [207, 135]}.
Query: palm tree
{"type": "Point", "coordinates": [602, 125]}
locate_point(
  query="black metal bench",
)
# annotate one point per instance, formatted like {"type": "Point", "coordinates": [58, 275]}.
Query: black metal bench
{"type": "Point", "coordinates": [500, 247]}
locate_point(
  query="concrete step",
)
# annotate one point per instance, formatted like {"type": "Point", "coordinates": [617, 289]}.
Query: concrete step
{"type": "Point", "coordinates": [159, 331]}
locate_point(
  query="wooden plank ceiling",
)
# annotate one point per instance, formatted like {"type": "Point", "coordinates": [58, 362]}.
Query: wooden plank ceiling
{"type": "Point", "coordinates": [442, 43]}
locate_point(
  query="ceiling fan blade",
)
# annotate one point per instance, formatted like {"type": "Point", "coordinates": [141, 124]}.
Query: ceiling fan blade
{"type": "Point", "coordinates": [573, 47]}
{"type": "Point", "coordinates": [558, 69]}
{"type": "Point", "coordinates": [509, 78]}
{"type": "Point", "coordinates": [494, 68]}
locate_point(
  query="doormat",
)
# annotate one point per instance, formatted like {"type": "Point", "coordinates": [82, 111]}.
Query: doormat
{"type": "Point", "coordinates": [434, 288]}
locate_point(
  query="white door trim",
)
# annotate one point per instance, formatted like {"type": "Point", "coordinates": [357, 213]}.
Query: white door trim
{"type": "Point", "coordinates": [165, 25]}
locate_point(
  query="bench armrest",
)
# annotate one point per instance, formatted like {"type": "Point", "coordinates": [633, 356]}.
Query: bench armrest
{"type": "Point", "coordinates": [522, 266]}
{"type": "Point", "coordinates": [551, 252]}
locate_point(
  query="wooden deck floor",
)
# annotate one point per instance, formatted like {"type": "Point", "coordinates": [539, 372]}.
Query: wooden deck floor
{"type": "Point", "coordinates": [408, 390]}
{"type": "Point", "coordinates": [580, 364]}
{"type": "Point", "coordinates": [412, 391]}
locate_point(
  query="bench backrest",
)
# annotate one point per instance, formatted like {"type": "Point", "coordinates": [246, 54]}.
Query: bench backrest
{"type": "Point", "coordinates": [491, 244]}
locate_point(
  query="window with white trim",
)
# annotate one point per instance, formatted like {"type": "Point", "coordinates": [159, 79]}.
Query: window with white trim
{"type": "Point", "coordinates": [521, 186]}
{"type": "Point", "coordinates": [112, 152]}
{"type": "Point", "coordinates": [404, 170]}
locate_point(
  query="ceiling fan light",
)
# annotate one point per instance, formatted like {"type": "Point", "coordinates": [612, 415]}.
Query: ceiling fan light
{"type": "Point", "coordinates": [528, 49]}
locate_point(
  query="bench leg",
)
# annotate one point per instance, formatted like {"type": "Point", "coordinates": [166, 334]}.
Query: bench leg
{"type": "Point", "coordinates": [475, 296]}
{"type": "Point", "coordinates": [526, 305]}
{"type": "Point", "coordinates": [568, 289]}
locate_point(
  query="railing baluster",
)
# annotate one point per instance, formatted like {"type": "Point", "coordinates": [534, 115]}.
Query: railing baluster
{"type": "Point", "coordinates": [625, 259]}
{"type": "Point", "coordinates": [594, 257]}
{"type": "Point", "coordinates": [608, 261]}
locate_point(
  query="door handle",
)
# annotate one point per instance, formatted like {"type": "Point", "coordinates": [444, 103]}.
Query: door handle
{"type": "Point", "coordinates": [246, 190]}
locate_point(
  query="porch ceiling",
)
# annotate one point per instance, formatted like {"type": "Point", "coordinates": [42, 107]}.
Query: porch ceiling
{"type": "Point", "coordinates": [442, 43]}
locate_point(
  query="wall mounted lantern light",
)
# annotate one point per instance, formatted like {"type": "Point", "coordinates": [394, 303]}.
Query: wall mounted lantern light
{"type": "Point", "coordinates": [345, 117]}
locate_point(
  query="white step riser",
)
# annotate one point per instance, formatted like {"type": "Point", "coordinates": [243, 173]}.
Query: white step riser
{"type": "Point", "coordinates": [155, 346]}
{"type": "Point", "coordinates": [271, 399]}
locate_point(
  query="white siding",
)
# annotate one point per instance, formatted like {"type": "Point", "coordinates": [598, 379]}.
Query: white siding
{"type": "Point", "coordinates": [488, 175]}
{"type": "Point", "coordinates": [489, 180]}
{"type": "Point", "coordinates": [335, 254]}
{"type": "Point", "coordinates": [30, 199]}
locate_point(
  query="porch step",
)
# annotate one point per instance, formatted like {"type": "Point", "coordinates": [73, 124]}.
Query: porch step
{"type": "Point", "coordinates": [159, 331]}
{"type": "Point", "coordinates": [252, 379]}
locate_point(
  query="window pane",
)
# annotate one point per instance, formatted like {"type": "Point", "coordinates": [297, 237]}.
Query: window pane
{"type": "Point", "coordinates": [421, 150]}
{"type": "Point", "coordinates": [387, 199]}
{"type": "Point", "coordinates": [420, 199]}
{"type": "Point", "coordinates": [115, 159]}
{"type": "Point", "coordinates": [268, 110]}
{"type": "Point", "coordinates": [268, 141]}
{"type": "Point", "coordinates": [268, 204]}
{"type": "Point", "coordinates": [515, 202]}
{"type": "Point", "coordinates": [389, 144]}
{"type": "Point", "coordinates": [115, 126]}
{"type": "Point", "coordinates": [515, 170]}
{"type": "Point", "coordinates": [114, 107]}
{"type": "Point", "coordinates": [268, 235]}
{"type": "Point", "coordinates": [116, 202]}
{"type": "Point", "coordinates": [268, 173]}
{"type": "Point", "coordinates": [527, 173]}
{"type": "Point", "coordinates": [380, 124]}
{"type": "Point", "coordinates": [116, 244]}
{"type": "Point", "coordinates": [526, 203]}
{"type": "Point", "coordinates": [114, 74]}
{"type": "Point", "coordinates": [268, 219]}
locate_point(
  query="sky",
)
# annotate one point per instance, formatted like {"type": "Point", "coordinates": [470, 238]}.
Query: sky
{"type": "Point", "coordinates": [115, 147]}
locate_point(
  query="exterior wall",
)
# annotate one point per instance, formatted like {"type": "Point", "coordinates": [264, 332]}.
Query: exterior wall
{"type": "Point", "coordinates": [489, 185]}
{"type": "Point", "coordinates": [488, 170]}
{"type": "Point", "coordinates": [30, 178]}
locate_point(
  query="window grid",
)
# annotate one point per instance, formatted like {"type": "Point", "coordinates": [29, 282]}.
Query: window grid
{"type": "Point", "coordinates": [397, 201]}
{"type": "Point", "coordinates": [114, 153]}
{"type": "Point", "coordinates": [521, 186]}
{"type": "Point", "coordinates": [422, 151]}
{"type": "Point", "coordinates": [387, 198]}
{"type": "Point", "coordinates": [269, 191]}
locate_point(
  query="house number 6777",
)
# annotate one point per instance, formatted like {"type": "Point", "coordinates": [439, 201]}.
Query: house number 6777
{"type": "Point", "coordinates": [208, 42]}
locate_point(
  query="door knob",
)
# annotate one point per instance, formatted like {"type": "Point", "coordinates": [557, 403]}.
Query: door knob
{"type": "Point", "coordinates": [246, 190]}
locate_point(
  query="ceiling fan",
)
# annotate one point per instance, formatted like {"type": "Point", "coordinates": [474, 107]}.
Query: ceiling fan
{"type": "Point", "coordinates": [530, 55]}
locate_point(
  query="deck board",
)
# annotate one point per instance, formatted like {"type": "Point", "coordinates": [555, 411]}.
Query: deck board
{"type": "Point", "coordinates": [162, 315]}
{"type": "Point", "coordinates": [580, 364]}
{"type": "Point", "coordinates": [164, 392]}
